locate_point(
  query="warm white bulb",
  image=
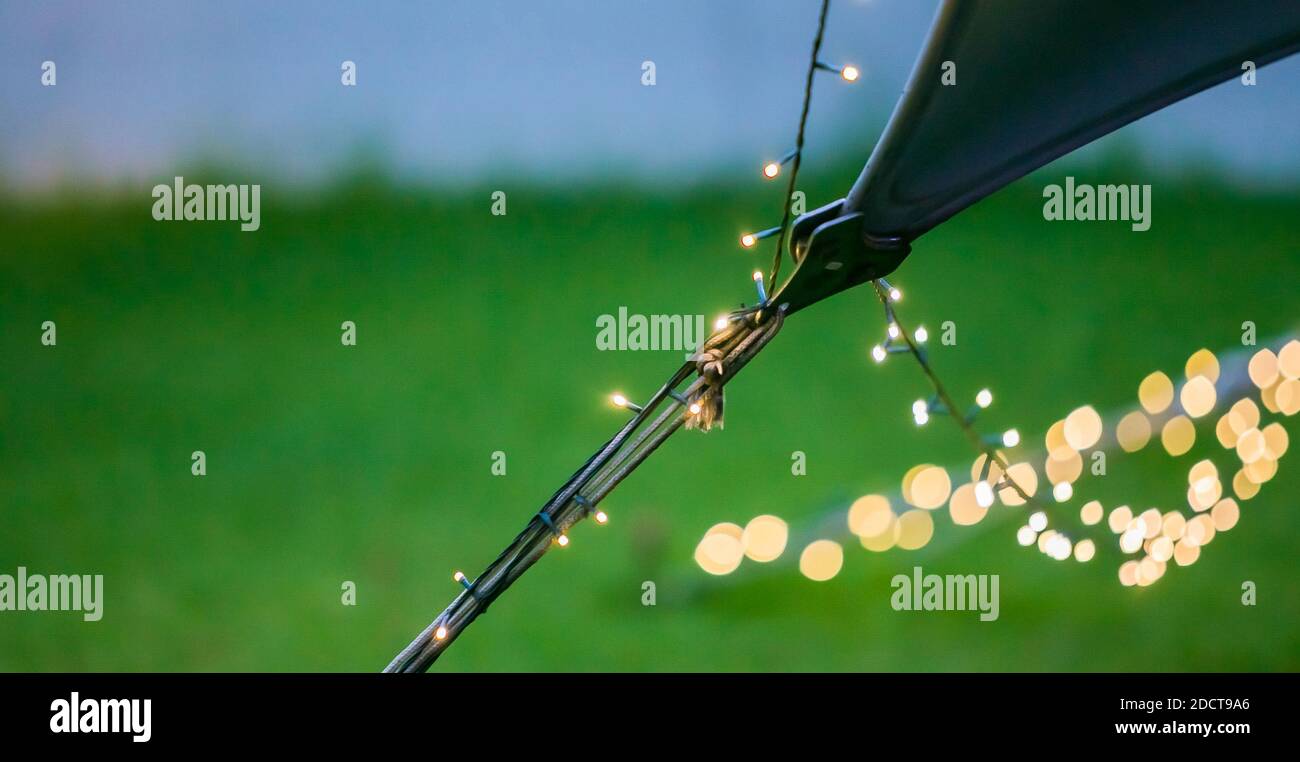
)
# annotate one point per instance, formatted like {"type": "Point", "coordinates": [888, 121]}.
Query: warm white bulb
{"type": "Point", "coordinates": [694, 408]}
{"type": "Point", "coordinates": [441, 633]}
{"type": "Point", "coordinates": [720, 323]}
{"type": "Point", "coordinates": [771, 169]}
{"type": "Point", "coordinates": [458, 576]}
{"type": "Point", "coordinates": [984, 398]}
{"type": "Point", "coordinates": [1063, 491]}
{"type": "Point", "coordinates": [758, 276]}
{"type": "Point", "coordinates": [748, 240]}
{"type": "Point", "coordinates": [1038, 521]}
{"type": "Point", "coordinates": [920, 407]}
{"type": "Point", "coordinates": [922, 418]}
{"type": "Point", "coordinates": [601, 517]}
{"type": "Point", "coordinates": [563, 540]}
{"type": "Point", "coordinates": [921, 334]}
{"type": "Point", "coordinates": [983, 494]}
{"type": "Point", "coordinates": [878, 353]}
{"type": "Point", "coordinates": [1010, 438]}
{"type": "Point", "coordinates": [850, 73]}
{"type": "Point", "coordinates": [893, 330]}
{"type": "Point", "coordinates": [619, 400]}
{"type": "Point", "coordinates": [895, 295]}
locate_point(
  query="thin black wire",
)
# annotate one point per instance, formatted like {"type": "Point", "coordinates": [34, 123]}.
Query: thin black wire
{"type": "Point", "coordinates": [601, 473]}
{"type": "Point", "coordinates": [798, 147]}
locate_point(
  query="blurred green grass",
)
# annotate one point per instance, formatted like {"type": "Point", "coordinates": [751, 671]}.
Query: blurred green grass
{"type": "Point", "coordinates": [476, 333]}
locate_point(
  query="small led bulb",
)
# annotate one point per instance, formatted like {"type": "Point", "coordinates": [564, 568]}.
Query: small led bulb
{"type": "Point", "coordinates": [983, 494]}
{"type": "Point", "coordinates": [921, 334]}
{"type": "Point", "coordinates": [563, 540]}
{"type": "Point", "coordinates": [771, 169]}
{"type": "Point", "coordinates": [850, 73]}
{"type": "Point", "coordinates": [878, 353]}
{"type": "Point", "coordinates": [984, 398]}
{"type": "Point", "coordinates": [601, 517]}
{"type": "Point", "coordinates": [1010, 438]}
{"type": "Point", "coordinates": [440, 633]}
{"type": "Point", "coordinates": [748, 240]}
{"type": "Point", "coordinates": [893, 330]}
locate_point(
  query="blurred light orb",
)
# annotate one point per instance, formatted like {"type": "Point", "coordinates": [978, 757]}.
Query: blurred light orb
{"type": "Point", "coordinates": [1287, 397]}
{"type": "Point", "coordinates": [1243, 415]}
{"type": "Point", "coordinates": [1172, 525]}
{"type": "Point", "coordinates": [1131, 540]}
{"type": "Point", "coordinates": [915, 528]}
{"type": "Point", "coordinates": [930, 488]}
{"type": "Point", "coordinates": [821, 560]}
{"type": "Point", "coordinates": [1133, 432]}
{"type": "Point", "coordinates": [1152, 522]}
{"type": "Point", "coordinates": [1197, 396]}
{"type": "Point", "coordinates": [883, 541]}
{"type": "Point", "coordinates": [1128, 573]}
{"type": "Point", "coordinates": [964, 509]}
{"type": "Point", "coordinates": [1261, 470]}
{"type": "Point", "coordinates": [1243, 487]}
{"type": "Point", "coordinates": [1084, 550]}
{"type": "Point", "coordinates": [1251, 446]}
{"type": "Point", "coordinates": [1156, 393]}
{"type": "Point", "coordinates": [1082, 427]}
{"type": "Point", "coordinates": [1203, 471]}
{"type": "Point", "coordinates": [1178, 435]}
{"type": "Point", "coordinates": [1185, 553]}
{"type": "Point", "coordinates": [1026, 535]}
{"type": "Point", "coordinates": [1062, 491]}
{"type": "Point", "coordinates": [1263, 368]}
{"type": "Point", "coordinates": [1224, 433]}
{"type": "Point", "coordinates": [1038, 521]}
{"type": "Point", "coordinates": [1288, 360]}
{"type": "Point", "coordinates": [1162, 549]}
{"type": "Point", "coordinates": [1055, 441]}
{"type": "Point", "coordinates": [984, 398]}
{"type": "Point", "coordinates": [1120, 519]}
{"type": "Point", "coordinates": [1064, 465]}
{"type": "Point", "coordinates": [1225, 514]}
{"type": "Point", "coordinates": [1202, 364]}
{"type": "Point", "coordinates": [721, 549]}
{"type": "Point", "coordinates": [870, 516]}
{"type": "Point", "coordinates": [1022, 474]}
{"type": "Point", "coordinates": [764, 538]}
{"type": "Point", "coordinates": [1091, 512]}
{"type": "Point", "coordinates": [1276, 440]}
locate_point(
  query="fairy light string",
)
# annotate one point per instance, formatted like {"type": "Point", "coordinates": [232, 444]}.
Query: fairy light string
{"type": "Point", "coordinates": [737, 338]}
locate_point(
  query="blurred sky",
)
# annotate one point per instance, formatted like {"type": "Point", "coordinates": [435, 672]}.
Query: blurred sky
{"type": "Point", "coordinates": [457, 89]}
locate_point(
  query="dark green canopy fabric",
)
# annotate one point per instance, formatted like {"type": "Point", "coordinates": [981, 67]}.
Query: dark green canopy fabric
{"type": "Point", "coordinates": [1036, 79]}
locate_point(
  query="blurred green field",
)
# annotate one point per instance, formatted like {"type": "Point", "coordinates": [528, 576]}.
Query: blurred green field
{"type": "Point", "coordinates": [476, 333]}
